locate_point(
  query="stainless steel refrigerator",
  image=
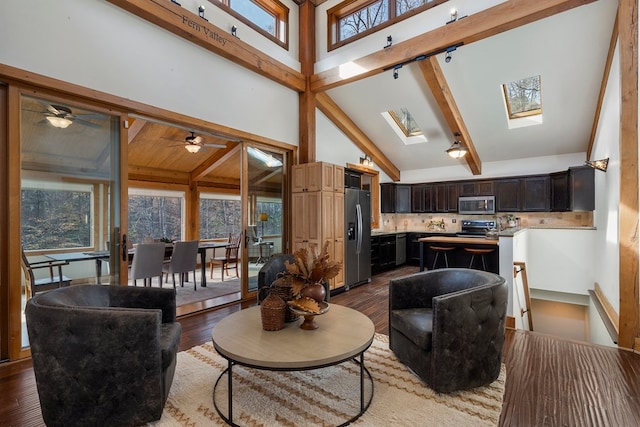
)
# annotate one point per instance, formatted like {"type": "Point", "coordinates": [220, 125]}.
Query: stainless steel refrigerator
{"type": "Point", "coordinates": [357, 222]}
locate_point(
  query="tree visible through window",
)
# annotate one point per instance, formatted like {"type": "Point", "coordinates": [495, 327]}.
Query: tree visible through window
{"type": "Point", "coordinates": [523, 97]}
{"type": "Point", "coordinates": [219, 218]}
{"type": "Point", "coordinates": [55, 219]}
{"type": "Point", "coordinates": [273, 225]}
{"type": "Point", "coordinates": [155, 217]}
{"type": "Point", "coordinates": [350, 19]}
{"type": "Point", "coordinates": [269, 17]}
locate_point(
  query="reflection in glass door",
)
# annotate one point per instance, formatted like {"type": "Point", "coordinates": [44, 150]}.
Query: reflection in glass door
{"type": "Point", "coordinates": [265, 212]}
{"type": "Point", "coordinates": [70, 194]}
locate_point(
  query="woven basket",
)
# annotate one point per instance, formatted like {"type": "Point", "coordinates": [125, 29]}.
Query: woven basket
{"type": "Point", "coordinates": [286, 294]}
{"type": "Point", "coordinates": [273, 310]}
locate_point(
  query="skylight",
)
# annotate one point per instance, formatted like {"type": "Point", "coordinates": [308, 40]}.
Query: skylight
{"type": "Point", "coordinates": [404, 125]}
{"type": "Point", "coordinates": [523, 101]}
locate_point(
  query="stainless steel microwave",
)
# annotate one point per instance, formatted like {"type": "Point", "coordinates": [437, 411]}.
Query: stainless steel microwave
{"type": "Point", "coordinates": [477, 205]}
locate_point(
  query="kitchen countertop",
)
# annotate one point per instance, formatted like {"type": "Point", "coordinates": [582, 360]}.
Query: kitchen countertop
{"type": "Point", "coordinates": [462, 240]}
{"type": "Point", "coordinates": [375, 233]}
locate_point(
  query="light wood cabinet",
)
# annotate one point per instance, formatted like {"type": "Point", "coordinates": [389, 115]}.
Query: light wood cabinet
{"type": "Point", "coordinates": [318, 210]}
{"type": "Point", "coordinates": [317, 176]}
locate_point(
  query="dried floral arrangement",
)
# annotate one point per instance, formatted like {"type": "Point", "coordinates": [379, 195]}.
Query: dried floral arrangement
{"type": "Point", "coordinates": [308, 269]}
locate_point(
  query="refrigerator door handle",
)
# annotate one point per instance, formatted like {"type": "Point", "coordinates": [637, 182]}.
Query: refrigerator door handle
{"type": "Point", "coordinates": [359, 233]}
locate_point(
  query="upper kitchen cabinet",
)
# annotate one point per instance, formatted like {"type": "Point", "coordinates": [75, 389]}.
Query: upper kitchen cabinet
{"type": "Point", "coordinates": [445, 197]}
{"type": "Point", "coordinates": [523, 194]}
{"type": "Point", "coordinates": [476, 188]}
{"type": "Point", "coordinates": [395, 198]}
{"type": "Point", "coordinates": [508, 195]}
{"type": "Point", "coordinates": [317, 176]}
{"type": "Point", "coordinates": [573, 190]}
{"type": "Point", "coordinates": [535, 194]}
{"type": "Point", "coordinates": [421, 198]}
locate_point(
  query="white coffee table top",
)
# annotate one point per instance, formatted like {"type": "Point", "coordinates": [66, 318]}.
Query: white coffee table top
{"type": "Point", "coordinates": [343, 333]}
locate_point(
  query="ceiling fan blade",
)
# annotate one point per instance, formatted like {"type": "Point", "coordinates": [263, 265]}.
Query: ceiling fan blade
{"type": "Point", "coordinates": [214, 145]}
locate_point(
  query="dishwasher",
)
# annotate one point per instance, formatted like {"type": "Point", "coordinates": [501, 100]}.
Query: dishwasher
{"type": "Point", "coordinates": [401, 248]}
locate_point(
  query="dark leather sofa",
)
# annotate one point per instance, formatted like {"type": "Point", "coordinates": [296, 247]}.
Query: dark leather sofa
{"type": "Point", "coordinates": [447, 325]}
{"type": "Point", "coordinates": [103, 355]}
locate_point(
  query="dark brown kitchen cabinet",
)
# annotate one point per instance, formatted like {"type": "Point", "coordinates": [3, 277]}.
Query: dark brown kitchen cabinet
{"type": "Point", "coordinates": [507, 195]}
{"type": "Point", "coordinates": [476, 188]}
{"type": "Point", "coordinates": [445, 197]}
{"type": "Point", "coordinates": [395, 198]}
{"type": "Point", "coordinates": [422, 198]}
{"type": "Point", "coordinates": [573, 190]}
{"type": "Point", "coordinates": [535, 193]}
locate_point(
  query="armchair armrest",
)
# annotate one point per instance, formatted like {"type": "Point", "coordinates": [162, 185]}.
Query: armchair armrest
{"type": "Point", "coordinates": [147, 298]}
{"type": "Point", "coordinates": [468, 333]}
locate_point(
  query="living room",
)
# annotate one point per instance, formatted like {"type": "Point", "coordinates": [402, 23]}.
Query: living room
{"type": "Point", "coordinates": [216, 104]}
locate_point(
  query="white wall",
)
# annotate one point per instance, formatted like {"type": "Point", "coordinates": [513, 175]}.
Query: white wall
{"type": "Point", "coordinates": [97, 45]}
{"type": "Point", "coordinates": [607, 269]}
{"type": "Point", "coordinates": [530, 166]}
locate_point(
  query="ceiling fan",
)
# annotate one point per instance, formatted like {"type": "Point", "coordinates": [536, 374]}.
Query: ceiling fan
{"type": "Point", "coordinates": [194, 143]}
{"type": "Point", "coordinates": [61, 116]}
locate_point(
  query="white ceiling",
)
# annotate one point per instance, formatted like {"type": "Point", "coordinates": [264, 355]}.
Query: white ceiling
{"type": "Point", "coordinates": [568, 51]}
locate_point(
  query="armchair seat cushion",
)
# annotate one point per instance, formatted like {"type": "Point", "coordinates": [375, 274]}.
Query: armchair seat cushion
{"type": "Point", "coordinates": [169, 342]}
{"type": "Point", "coordinates": [416, 324]}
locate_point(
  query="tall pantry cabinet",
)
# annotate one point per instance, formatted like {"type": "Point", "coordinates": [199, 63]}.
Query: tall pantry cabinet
{"type": "Point", "coordinates": [318, 210]}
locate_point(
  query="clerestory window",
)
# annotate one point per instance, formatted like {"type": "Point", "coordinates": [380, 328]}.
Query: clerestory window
{"type": "Point", "coordinates": [268, 17]}
{"type": "Point", "coordinates": [354, 19]}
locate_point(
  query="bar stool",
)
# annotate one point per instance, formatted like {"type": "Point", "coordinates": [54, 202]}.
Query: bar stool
{"type": "Point", "coordinates": [481, 252]}
{"type": "Point", "coordinates": [443, 250]}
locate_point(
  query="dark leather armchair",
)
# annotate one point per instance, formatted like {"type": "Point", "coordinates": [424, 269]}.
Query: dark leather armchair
{"type": "Point", "coordinates": [269, 272]}
{"type": "Point", "coordinates": [103, 355]}
{"type": "Point", "coordinates": [448, 325]}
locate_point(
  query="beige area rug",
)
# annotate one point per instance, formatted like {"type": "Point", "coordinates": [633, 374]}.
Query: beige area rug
{"type": "Point", "coordinates": [327, 396]}
{"type": "Point", "coordinates": [186, 294]}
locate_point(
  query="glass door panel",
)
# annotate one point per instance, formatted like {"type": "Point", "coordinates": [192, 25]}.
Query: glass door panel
{"type": "Point", "coordinates": [265, 212]}
{"type": "Point", "coordinates": [70, 193]}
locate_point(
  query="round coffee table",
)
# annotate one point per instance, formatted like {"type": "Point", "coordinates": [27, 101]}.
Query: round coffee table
{"type": "Point", "coordinates": [344, 334]}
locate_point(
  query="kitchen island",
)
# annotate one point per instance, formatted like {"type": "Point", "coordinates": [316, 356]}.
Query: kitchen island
{"type": "Point", "coordinates": [461, 259]}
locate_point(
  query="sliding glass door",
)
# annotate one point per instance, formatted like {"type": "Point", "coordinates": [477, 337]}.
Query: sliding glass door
{"type": "Point", "coordinates": [265, 213]}
{"type": "Point", "coordinates": [69, 206]}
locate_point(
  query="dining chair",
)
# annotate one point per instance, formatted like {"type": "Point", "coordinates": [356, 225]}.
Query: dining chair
{"type": "Point", "coordinates": [147, 262]}
{"type": "Point", "coordinates": [52, 281]}
{"type": "Point", "coordinates": [183, 260]}
{"type": "Point", "coordinates": [230, 256]}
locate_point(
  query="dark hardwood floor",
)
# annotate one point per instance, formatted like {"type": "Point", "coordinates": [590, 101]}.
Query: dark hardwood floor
{"type": "Point", "coordinates": [550, 381]}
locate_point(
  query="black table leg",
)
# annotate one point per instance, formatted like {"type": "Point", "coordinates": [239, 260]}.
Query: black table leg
{"type": "Point", "coordinates": [203, 267]}
{"type": "Point", "coordinates": [421, 256]}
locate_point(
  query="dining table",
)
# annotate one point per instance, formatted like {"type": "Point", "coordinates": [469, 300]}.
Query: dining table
{"type": "Point", "coordinates": [101, 256]}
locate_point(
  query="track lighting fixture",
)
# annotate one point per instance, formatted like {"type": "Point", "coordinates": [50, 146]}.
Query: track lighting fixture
{"type": "Point", "coordinates": [454, 16]}
{"type": "Point", "coordinates": [457, 150]}
{"type": "Point", "coordinates": [234, 31]}
{"type": "Point", "coordinates": [201, 12]}
{"type": "Point", "coordinates": [423, 56]}
{"type": "Point", "coordinates": [395, 71]}
{"type": "Point", "coordinates": [389, 42]}
{"type": "Point", "coordinates": [447, 57]}
{"type": "Point", "coordinates": [601, 165]}
{"type": "Point", "coordinates": [175, 2]}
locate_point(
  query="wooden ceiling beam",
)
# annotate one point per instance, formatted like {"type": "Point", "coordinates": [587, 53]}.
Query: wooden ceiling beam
{"type": "Point", "coordinates": [191, 27]}
{"type": "Point", "coordinates": [433, 75]}
{"type": "Point", "coordinates": [208, 166]}
{"type": "Point", "coordinates": [503, 17]}
{"type": "Point", "coordinates": [330, 109]}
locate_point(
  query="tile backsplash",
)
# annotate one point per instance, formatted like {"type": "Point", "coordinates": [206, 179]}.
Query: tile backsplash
{"type": "Point", "coordinates": [451, 222]}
